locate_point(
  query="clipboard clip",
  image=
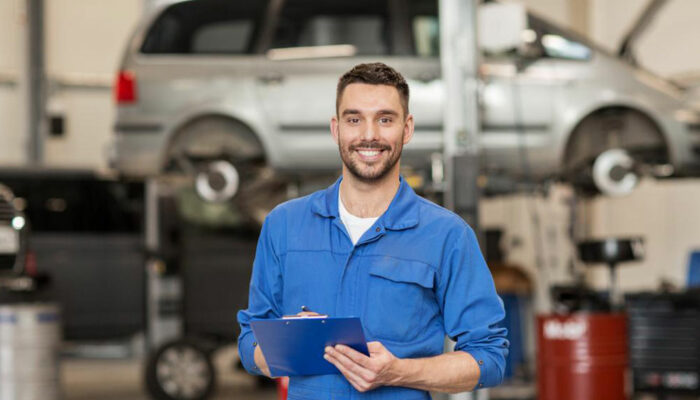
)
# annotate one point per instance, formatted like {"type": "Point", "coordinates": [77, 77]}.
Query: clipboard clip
{"type": "Point", "coordinates": [305, 309]}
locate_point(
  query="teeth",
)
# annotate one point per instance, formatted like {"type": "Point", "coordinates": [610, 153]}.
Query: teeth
{"type": "Point", "coordinates": [367, 153]}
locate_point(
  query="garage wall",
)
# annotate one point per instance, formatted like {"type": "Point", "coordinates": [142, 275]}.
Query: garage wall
{"type": "Point", "coordinates": [86, 36]}
{"type": "Point", "coordinates": [662, 48]}
{"type": "Point", "coordinates": [667, 48]}
{"type": "Point", "coordinates": [536, 236]}
{"type": "Point", "coordinates": [84, 43]}
{"type": "Point", "coordinates": [12, 142]}
{"type": "Point", "coordinates": [555, 10]}
{"type": "Point", "coordinates": [667, 215]}
{"type": "Point", "coordinates": [84, 40]}
{"type": "Point", "coordinates": [611, 20]}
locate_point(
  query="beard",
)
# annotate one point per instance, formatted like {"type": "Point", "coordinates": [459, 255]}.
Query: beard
{"type": "Point", "coordinates": [370, 172]}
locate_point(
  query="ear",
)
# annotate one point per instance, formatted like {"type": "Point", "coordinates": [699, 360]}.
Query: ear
{"type": "Point", "coordinates": [334, 128]}
{"type": "Point", "coordinates": [408, 129]}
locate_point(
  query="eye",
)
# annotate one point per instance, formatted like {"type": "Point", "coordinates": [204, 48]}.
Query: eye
{"type": "Point", "coordinates": [353, 120]}
{"type": "Point", "coordinates": [385, 120]}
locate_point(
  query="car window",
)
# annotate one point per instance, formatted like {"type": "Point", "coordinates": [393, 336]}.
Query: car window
{"type": "Point", "coordinates": [555, 42]}
{"type": "Point", "coordinates": [361, 27]}
{"type": "Point", "coordinates": [206, 27]}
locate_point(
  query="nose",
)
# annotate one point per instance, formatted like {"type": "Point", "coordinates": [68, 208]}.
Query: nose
{"type": "Point", "coordinates": [371, 132]}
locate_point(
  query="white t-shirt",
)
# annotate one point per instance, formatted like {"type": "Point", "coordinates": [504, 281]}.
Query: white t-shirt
{"type": "Point", "coordinates": [356, 226]}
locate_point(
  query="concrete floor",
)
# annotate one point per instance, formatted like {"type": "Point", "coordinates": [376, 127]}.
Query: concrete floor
{"type": "Point", "coordinates": [85, 379]}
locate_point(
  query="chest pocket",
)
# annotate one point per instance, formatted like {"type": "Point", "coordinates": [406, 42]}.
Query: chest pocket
{"type": "Point", "coordinates": [400, 301]}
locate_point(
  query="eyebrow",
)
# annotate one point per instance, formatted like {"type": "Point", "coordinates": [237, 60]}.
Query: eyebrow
{"type": "Point", "coordinates": [352, 111]}
{"type": "Point", "coordinates": [388, 112]}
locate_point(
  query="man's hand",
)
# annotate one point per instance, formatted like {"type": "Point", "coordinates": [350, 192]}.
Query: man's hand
{"type": "Point", "coordinates": [260, 362]}
{"type": "Point", "coordinates": [365, 373]}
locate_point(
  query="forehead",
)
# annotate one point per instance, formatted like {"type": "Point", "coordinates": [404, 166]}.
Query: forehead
{"type": "Point", "coordinates": [363, 96]}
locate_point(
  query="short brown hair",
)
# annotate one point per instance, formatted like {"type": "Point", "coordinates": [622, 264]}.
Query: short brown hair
{"type": "Point", "coordinates": [374, 74]}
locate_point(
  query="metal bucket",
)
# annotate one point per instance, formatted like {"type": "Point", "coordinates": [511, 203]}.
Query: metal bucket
{"type": "Point", "coordinates": [29, 338]}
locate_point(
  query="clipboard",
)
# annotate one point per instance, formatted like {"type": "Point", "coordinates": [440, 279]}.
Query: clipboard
{"type": "Point", "coordinates": [295, 346]}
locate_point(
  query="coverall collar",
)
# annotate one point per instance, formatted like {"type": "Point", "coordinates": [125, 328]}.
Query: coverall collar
{"type": "Point", "coordinates": [403, 211]}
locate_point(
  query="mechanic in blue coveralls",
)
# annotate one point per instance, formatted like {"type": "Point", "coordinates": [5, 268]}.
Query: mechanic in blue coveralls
{"type": "Point", "coordinates": [368, 246]}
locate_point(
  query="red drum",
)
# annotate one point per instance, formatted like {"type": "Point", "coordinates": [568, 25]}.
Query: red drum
{"type": "Point", "coordinates": [582, 356]}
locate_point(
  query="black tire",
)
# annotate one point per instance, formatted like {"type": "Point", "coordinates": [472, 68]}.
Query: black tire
{"type": "Point", "coordinates": [172, 363]}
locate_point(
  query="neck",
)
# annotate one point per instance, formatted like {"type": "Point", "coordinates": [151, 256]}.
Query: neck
{"type": "Point", "coordinates": [368, 199]}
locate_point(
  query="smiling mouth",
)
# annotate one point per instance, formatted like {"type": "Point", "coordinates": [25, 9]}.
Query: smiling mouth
{"type": "Point", "coordinates": [369, 153]}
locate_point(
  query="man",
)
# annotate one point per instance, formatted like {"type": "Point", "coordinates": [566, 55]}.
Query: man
{"type": "Point", "coordinates": [368, 246]}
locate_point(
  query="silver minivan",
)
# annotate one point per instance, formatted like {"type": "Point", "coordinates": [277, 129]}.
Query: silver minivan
{"type": "Point", "coordinates": [235, 92]}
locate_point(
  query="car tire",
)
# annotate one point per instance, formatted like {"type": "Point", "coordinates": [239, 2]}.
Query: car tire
{"type": "Point", "coordinates": [180, 370]}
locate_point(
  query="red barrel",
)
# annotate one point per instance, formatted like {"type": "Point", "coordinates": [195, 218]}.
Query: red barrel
{"type": "Point", "coordinates": [582, 356]}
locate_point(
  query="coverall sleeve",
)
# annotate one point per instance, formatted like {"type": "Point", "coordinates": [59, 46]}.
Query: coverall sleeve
{"type": "Point", "coordinates": [265, 294]}
{"type": "Point", "coordinates": [471, 308]}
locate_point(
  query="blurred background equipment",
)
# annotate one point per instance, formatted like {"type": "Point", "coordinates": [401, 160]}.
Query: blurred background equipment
{"type": "Point", "coordinates": [583, 354]}
{"type": "Point", "coordinates": [30, 331]}
{"type": "Point", "coordinates": [13, 234]}
{"type": "Point", "coordinates": [86, 236]}
{"type": "Point", "coordinates": [30, 339]}
{"type": "Point", "coordinates": [664, 342]}
{"type": "Point", "coordinates": [197, 280]}
{"type": "Point", "coordinates": [612, 251]}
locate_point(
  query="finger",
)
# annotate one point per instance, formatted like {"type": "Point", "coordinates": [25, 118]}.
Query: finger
{"type": "Point", "coordinates": [356, 381]}
{"type": "Point", "coordinates": [351, 365]}
{"type": "Point", "coordinates": [354, 355]}
{"type": "Point", "coordinates": [375, 347]}
{"type": "Point", "coordinates": [307, 314]}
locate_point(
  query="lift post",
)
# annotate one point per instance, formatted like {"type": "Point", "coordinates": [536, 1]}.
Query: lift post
{"type": "Point", "coordinates": [459, 56]}
{"type": "Point", "coordinates": [163, 290]}
{"type": "Point", "coordinates": [460, 66]}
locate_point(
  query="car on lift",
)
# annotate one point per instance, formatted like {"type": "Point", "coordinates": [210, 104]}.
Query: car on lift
{"type": "Point", "coordinates": [236, 93]}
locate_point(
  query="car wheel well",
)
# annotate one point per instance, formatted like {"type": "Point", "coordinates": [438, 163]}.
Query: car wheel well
{"type": "Point", "coordinates": [214, 136]}
{"type": "Point", "coordinates": [615, 127]}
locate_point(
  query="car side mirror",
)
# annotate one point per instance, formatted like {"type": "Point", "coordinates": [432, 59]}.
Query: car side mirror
{"type": "Point", "coordinates": [501, 26]}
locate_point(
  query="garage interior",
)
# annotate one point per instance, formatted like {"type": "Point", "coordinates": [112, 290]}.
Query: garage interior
{"type": "Point", "coordinates": [587, 212]}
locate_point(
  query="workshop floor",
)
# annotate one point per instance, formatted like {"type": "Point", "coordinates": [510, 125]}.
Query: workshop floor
{"type": "Point", "coordinates": [85, 379]}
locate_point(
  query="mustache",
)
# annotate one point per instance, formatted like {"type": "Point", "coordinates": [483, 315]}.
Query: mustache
{"type": "Point", "coordinates": [370, 145]}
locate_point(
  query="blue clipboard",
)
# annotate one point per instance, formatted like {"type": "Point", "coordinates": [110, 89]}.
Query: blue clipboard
{"type": "Point", "coordinates": [295, 346]}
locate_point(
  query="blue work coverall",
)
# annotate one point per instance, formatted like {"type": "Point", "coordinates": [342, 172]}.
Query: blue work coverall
{"type": "Point", "coordinates": [415, 276]}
